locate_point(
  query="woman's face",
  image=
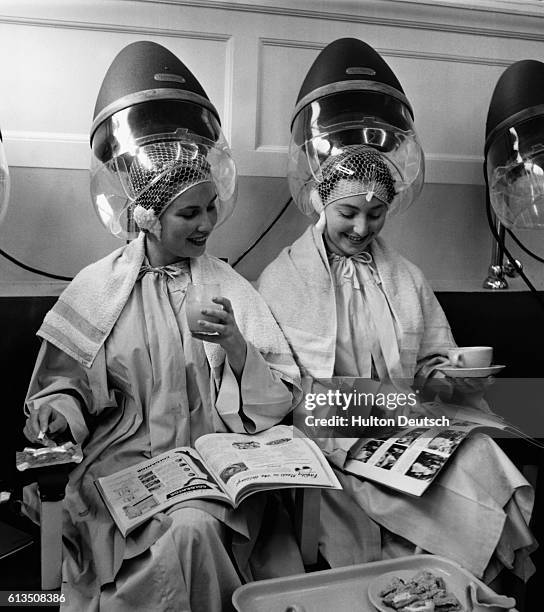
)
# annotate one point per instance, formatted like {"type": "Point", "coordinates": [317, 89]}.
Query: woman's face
{"type": "Point", "coordinates": [353, 223]}
{"type": "Point", "coordinates": [186, 225]}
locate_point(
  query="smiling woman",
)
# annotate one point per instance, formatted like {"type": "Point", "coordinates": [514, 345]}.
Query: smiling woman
{"type": "Point", "coordinates": [356, 207]}
{"type": "Point", "coordinates": [185, 226]}
{"type": "Point", "coordinates": [353, 223]}
{"type": "Point", "coordinates": [122, 373]}
{"type": "Point", "coordinates": [357, 308]}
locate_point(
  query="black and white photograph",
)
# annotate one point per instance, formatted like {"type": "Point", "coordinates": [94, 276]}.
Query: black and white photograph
{"type": "Point", "coordinates": [407, 437]}
{"type": "Point", "coordinates": [206, 208]}
{"type": "Point", "coordinates": [447, 441]}
{"type": "Point", "coordinates": [231, 470]}
{"type": "Point", "coordinates": [245, 445]}
{"type": "Point", "coordinates": [368, 449]}
{"type": "Point", "coordinates": [390, 457]}
{"type": "Point", "coordinates": [426, 466]}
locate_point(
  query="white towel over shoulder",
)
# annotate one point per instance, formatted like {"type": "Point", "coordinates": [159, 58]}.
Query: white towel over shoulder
{"type": "Point", "coordinates": [87, 310]}
{"type": "Point", "coordinates": [299, 289]}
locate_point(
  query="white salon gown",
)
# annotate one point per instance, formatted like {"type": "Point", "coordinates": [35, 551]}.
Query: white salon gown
{"type": "Point", "coordinates": [150, 389]}
{"type": "Point", "coordinates": [477, 517]}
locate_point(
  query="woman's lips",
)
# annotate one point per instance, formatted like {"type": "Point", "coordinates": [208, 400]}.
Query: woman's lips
{"type": "Point", "coordinates": [356, 239]}
{"type": "Point", "coordinates": [198, 240]}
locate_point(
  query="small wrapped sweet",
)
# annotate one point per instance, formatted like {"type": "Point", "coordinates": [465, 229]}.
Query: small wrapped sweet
{"type": "Point", "coordinates": [48, 455]}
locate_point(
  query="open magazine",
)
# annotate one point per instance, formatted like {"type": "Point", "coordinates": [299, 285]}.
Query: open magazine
{"type": "Point", "coordinates": [409, 459]}
{"type": "Point", "coordinates": [223, 466]}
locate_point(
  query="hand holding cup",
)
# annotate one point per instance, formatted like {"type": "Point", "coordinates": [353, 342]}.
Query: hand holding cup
{"type": "Point", "coordinates": [471, 357]}
{"type": "Point", "coordinates": [199, 298]}
{"type": "Point", "coordinates": [211, 318]}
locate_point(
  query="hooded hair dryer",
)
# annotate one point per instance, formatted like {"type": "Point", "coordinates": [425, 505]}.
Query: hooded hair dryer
{"type": "Point", "coordinates": [514, 161]}
{"type": "Point", "coordinates": [514, 146]}
{"type": "Point", "coordinates": [352, 107]}
{"type": "Point", "coordinates": [154, 135]}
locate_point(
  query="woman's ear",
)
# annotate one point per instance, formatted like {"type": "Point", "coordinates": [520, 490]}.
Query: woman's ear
{"type": "Point", "coordinates": [316, 201]}
{"type": "Point", "coordinates": [321, 222]}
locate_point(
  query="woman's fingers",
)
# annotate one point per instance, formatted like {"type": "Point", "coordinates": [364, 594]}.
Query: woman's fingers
{"type": "Point", "coordinates": [207, 326]}
{"type": "Point", "coordinates": [44, 422]}
{"type": "Point", "coordinates": [225, 302]}
{"type": "Point", "coordinates": [217, 313]}
{"type": "Point", "coordinates": [44, 418]}
{"type": "Point", "coordinates": [205, 337]}
{"type": "Point", "coordinates": [33, 422]}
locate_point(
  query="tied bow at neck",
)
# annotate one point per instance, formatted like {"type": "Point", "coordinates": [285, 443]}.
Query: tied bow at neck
{"type": "Point", "coordinates": [348, 270]}
{"type": "Point", "coordinates": [378, 307]}
{"type": "Point", "coordinates": [170, 271]}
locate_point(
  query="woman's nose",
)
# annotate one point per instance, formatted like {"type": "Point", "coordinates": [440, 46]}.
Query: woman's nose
{"type": "Point", "coordinates": [360, 227]}
{"type": "Point", "coordinates": [206, 222]}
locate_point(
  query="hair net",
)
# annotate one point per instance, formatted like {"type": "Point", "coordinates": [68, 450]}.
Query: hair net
{"type": "Point", "coordinates": [358, 170]}
{"type": "Point", "coordinates": [160, 174]}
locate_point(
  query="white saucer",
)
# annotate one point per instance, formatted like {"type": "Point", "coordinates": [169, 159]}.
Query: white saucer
{"type": "Point", "coordinates": [470, 372]}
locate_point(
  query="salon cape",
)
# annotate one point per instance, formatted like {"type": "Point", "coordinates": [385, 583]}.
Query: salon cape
{"type": "Point", "coordinates": [490, 507]}
{"type": "Point", "coordinates": [120, 362]}
{"type": "Point", "coordinates": [299, 289]}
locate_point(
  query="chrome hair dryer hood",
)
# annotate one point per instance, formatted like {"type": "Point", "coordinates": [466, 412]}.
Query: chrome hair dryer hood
{"type": "Point", "coordinates": [514, 146]}
{"type": "Point", "coordinates": [154, 135]}
{"type": "Point", "coordinates": [351, 100]}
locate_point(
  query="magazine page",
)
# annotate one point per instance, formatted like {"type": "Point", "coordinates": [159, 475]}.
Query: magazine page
{"type": "Point", "coordinates": [411, 459]}
{"type": "Point", "coordinates": [136, 493]}
{"type": "Point", "coordinates": [276, 458]}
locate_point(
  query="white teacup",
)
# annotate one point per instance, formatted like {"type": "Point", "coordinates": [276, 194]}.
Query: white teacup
{"type": "Point", "coordinates": [471, 356]}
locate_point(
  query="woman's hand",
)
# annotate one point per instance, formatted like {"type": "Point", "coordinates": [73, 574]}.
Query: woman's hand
{"type": "Point", "coordinates": [469, 386]}
{"type": "Point", "coordinates": [43, 424]}
{"type": "Point", "coordinates": [225, 333]}
{"type": "Point", "coordinates": [471, 392]}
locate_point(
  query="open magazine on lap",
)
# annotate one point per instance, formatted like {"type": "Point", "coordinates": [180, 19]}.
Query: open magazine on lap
{"type": "Point", "coordinates": [409, 459]}
{"type": "Point", "coordinates": [226, 467]}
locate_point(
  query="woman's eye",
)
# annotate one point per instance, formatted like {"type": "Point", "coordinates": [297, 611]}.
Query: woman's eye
{"type": "Point", "coordinates": [188, 215]}
{"type": "Point", "coordinates": [346, 215]}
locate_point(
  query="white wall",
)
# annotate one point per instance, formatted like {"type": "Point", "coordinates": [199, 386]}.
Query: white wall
{"type": "Point", "coordinates": [251, 59]}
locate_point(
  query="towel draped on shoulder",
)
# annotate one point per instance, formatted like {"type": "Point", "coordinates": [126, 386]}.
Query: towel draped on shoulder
{"type": "Point", "coordinates": [84, 315]}
{"type": "Point", "coordinates": [299, 290]}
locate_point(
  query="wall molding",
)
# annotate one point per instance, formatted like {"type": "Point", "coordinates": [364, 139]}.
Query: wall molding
{"type": "Point", "coordinates": [440, 17]}
{"type": "Point", "coordinates": [112, 28]}
{"type": "Point", "coordinates": [228, 94]}
{"type": "Point", "coordinates": [48, 150]}
{"type": "Point", "coordinates": [446, 57]}
{"type": "Point", "coordinates": [402, 53]}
